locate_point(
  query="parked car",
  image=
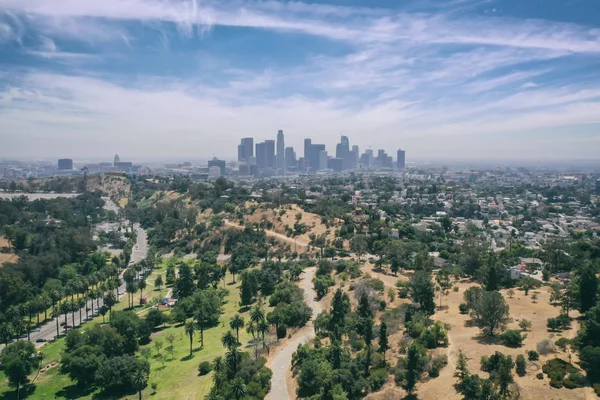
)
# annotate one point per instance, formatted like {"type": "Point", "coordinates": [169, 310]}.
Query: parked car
{"type": "Point", "coordinates": [41, 340]}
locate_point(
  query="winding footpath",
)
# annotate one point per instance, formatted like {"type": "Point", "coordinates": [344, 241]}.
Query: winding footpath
{"type": "Point", "coordinates": [282, 362]}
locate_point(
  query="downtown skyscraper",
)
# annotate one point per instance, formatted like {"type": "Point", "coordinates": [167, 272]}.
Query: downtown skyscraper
{"type": "Point", "coordinates": [280, 152]}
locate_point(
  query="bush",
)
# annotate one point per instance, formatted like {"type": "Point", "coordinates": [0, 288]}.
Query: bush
{"type": "Point", "coordinates": [562, 343]}
{"type": "Point", "coordinates": [533, 355]}
{"type": "Point", "coordinates": [521, 365]}
{"type": "Point", "coordinates": [377, 377]}
{"type": "Point", "coordinates": [596, 387]}
{"type": "Point", "coordinates": [525, 325]}
{"type": "Point", "coordinates": [437, 363]}
{"type": "Point", "coordinates": [403, 293]}
{"type": "Point", "coordinates": [556, 383]}
{"type": "Point", "coordinates": [540, 375]}
{"type": "Point", "coordinates": [204, 368]}
{"type": "Point", "coordinates": [557, 370]}
{"type": "Point", "coordinates": [281, 331]}
{"type": "Point", "coordinates": [512, 338]}
{"type": "Point", "coordinates": [545, 347]}
{"type": "Point", "coordinates": [553, 324]}
{"type": "Point", "coordinates": [463, 308]}
{"type": "Point", "coordinates": [357, 344]}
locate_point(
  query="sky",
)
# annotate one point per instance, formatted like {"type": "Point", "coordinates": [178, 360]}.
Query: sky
{"type": "Point", "coordinates": [150, 79]}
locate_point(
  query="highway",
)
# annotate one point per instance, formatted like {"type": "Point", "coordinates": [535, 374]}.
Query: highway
{"type": "Point", "coordinates": [47, 331]}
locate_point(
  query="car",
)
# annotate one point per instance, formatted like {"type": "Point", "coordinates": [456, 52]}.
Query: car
{"type": "Point", "coordinates": [41, 340]}
{"type": "Point", "coordinates": [36, 329]}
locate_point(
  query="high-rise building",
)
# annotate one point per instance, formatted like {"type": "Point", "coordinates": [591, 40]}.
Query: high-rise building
{"type": "Point", "coordinates": [314, 153]}
{"type": "Point", "coordinates": [246, 149]}
{"type": "Point", "coordinates": [355, 156]}
{"type": "Point", "coordinates": [215, 162]}
{"type": "Point", "coordinates": [349, 157]}
{"type": "Point", "coordinates": [307, 144]}
{"type": "Point", "coordinates": [322, 160]}
{"type": "Point", "coordinates": [335, 164]}
{"type": "Point", "coordinates": [280, 151]}
{"type": "Point", "coordinates": [271, 160]}
{"type": "Point", "coordinates": [261, 155]}
{"type": "Point", "coordinates": [117, 160]}
{"type": "Point", "coordinates": [290, 158]}
{"type": "Point", "coordinates": [401, 159]}
{"type": "Point", "coordinates": [65, 164]}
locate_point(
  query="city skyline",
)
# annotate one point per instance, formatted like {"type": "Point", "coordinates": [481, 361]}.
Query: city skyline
{"type": "Point", "coordinates": [493, 79]}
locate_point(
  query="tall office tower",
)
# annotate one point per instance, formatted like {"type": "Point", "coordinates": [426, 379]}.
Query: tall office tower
{"type": "Point", "coordinates": [290, 158]}
{"type": "Point", "coordinates": [307, 146]}
{"type": "Point", "coordinates": [65, 164]}
{"type": "Point", "coordinates": [280, 151]}
{"type": "Point", "coordinates": [355, 155]}
{"type": "Point", "coordinates": [247, 148]}
{"type": "Point", "coordinates": [401, 159]}
{"type": "Point", "coordinates": [117, 160]}
{"type": "Point", "coordinates": [271, 161]}
{"type": "Point", "coordinates": [322, 160]}
{"type": "Point", "coordinates": [261, 155]}
{"type": "Point", "coordinates": [314, 153]}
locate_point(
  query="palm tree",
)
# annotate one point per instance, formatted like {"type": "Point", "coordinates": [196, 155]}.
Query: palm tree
{"type": "Point", "coordinates": [237, 323]}
{"type": "Point", "coordinates": [229, 340]}
{"type": "Point", "coordinates": [141, 285]}
{"type": "Point", "coordinates": [257, 314]}
{"type": "Point", "coordinates": [275, 319]}
{"type": "Point", "coordinates": [238, 388]}
{"type": "Point", "coordinates": [218, 368]}
{"type": "Point", "coordinates": [81, 304]}
{"type": "Point", "coordinates": [251, 329]}
{"type": "Point", "coordinates": [139, 381]}
{"type": "Point", "coordinates": [234, 357]}
{"type": "Point", "coordinates": [263, 328]}
{"type": "Point", "coordinates": [190, 329]}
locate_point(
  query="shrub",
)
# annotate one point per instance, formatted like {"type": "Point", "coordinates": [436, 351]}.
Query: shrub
{"type": "Point", "coordinates": [556, 383]}
{"type": "Point", "coordinates": [533, 355]}
{"type": "Point", "coordinates": [540, 375]}
{"type": "Point", "coordinates": [545, 347]}
{"type": "Point", "coordinates": [521, 365]}
{"type": "Point", "coordinates": [204, 368]}
{"type": "Point", "coordinates": [463, 308]}
{"type": "Point", "coordinates": [553, 324]}
{"type": "Point", "coordinates": [557, 370]}
{"type": "Point", "coordinates": [437, 363]}
{"type": "Point", "coordinates": [512, 338]}
{"type": "Point", "coordinates": [525, 324]}
{"type": "Point", "coordinates": [403, 293]}
{"type": "Point", "coordinates": [281, 331]}
{"type": "Point", "coordinates": [357, 344]}
{"type": "Point", "coordinates": [562, 343]}
{"type": "Point", "coordinates": [377, 377]}
{"type": "Point", "coordinates": [596, 387]}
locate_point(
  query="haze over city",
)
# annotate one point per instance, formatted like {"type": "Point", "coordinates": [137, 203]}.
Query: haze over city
{"type": "Point", "coordinates": [441, 79]}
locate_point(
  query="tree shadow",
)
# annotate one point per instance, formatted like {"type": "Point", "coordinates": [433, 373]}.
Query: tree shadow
{"type": "Point", "coordinates": [187, 358]}
{"type": "Point", "coordinates": [26, 391]}
{"type": "Point", "coordinates": [74, 392]}
{"type": "Point", "coordinates": [411, 397]}
{"type": "Point", "coordinates": [482, 338]}
{"type": "Point", "coordinates": [243, 309]}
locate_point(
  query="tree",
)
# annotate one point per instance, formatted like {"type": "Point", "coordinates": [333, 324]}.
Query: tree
{"type": "Point", "coordinates": [228, 340]}
{"type": "Point", "coordinates": [170, 275]}
{"type": "Point", "coordinates": [237, 323]}
{"type": "Point", "coordinates": [207, 304]}
{"type": "Point", "coordinates": [423, 291]}
{"type": "Point", "coordinates": [249, 287]}
{"type": "Point", "coordinates": [521, 365]}
{"type": "Point", "coordinates": [414, 366]}
{"type": "Point", "coordinates": [472, 296]}
{"type": "Point", "coordinates": [190, 329]}
{"type": "Point", "coordinates": [141, 285]}
{"type": "Point", "coordinates": [590, 362]}
{"type": "Point", "coordinates": [444, 282]}
{"type": "Point", "coordinates": [491, 280]}
{"type": "Point", "coordinates": [511, 293]}
{"type": "Point", "coordinates": [238, 388]}
{"type": "Point", "coordinates": [18, 360]}
{"type": "Point", "coordinates": [158, 282]}
{"type": "Point", "coordinates": [534, 297]}
{"type": "Point", "coordinates": [184, 284]}
{"type": "Point", "coordinates": [588, 287]}
{"type": "Point", "coordinates": [493, 311]}
{"type": "Point", "coordinates": [383, 339]}
{"type": "Point", "coordinates": [358, 244]}
{"type": "Point", "coordinates": [553, 324]}
{"type": "Point", "coordinates": [139, 380]}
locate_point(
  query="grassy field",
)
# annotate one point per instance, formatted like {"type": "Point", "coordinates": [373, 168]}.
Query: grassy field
{"type": "Point", "coordinates": [176, 379]}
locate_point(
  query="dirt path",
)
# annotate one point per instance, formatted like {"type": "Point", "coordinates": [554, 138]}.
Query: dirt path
{"type": "Point", "coordinates": [274, 234]}
{"type": "Point", "coordinates": [282, 361]}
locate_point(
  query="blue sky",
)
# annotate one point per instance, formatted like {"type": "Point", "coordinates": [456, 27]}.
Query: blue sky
{"type": "Point", "coordinates": [469, 79]}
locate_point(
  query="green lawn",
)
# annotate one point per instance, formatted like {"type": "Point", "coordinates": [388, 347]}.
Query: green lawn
{"type": "Point", "coordinates": [178, 379]}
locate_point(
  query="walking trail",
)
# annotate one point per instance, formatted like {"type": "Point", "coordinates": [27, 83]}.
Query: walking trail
{"type": "Point", "coordinates": [282, 362]}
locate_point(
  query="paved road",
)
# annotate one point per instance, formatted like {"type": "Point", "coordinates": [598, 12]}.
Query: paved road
{"type": "Point", "coordinates": [37, 196]}
{"type": "Point", "coordinates": [283, 360]}
{"type": "Point", "coordinates": [47, 331]}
